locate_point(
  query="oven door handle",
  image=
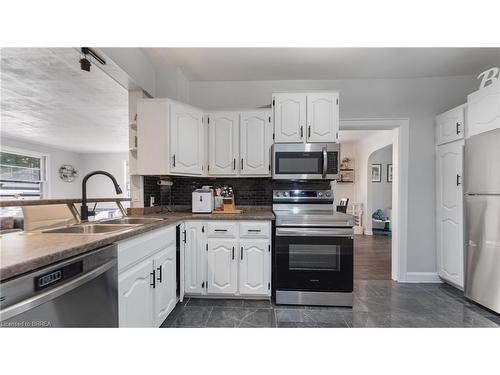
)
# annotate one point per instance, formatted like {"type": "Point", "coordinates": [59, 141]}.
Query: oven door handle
{"type": "Point", "coordinates": [325, 162]}
{"type": "Point", "coordinates": [315, 232]}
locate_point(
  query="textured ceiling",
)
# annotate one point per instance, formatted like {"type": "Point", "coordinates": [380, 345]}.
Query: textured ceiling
{"type": "Point", "coordinates": [248, 64]}
{"type": "Point", "coordinates": [47, 99]}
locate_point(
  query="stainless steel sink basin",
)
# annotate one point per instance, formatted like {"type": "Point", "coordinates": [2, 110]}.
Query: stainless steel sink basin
{"type": "Point", "coordinates": [90, 228]}
{"type": "Point", "coordinates": [131, 220]}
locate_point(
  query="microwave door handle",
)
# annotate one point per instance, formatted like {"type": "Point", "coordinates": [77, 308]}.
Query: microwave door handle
{"type": "Point", "coordinates": [325, 162]}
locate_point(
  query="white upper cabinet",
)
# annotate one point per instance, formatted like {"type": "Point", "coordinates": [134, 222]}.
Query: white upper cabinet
{"type": "Point", "coordinates": [483, 109]}
{"type": "Point", "coordinates": [289, 117]}
{"type": "Point", "coordinates": [152, 137]}
{"type": "Point", "coordinates": [253, 267]}
{"type": "Point", "coordinates": [223, 143]}
{"type": "Point", "coordinates": [222, 266]}
{"type": "Point", "coordinates": [186, 140]}
{"type": "Point", "coordinates": [165, 283]}
{"type": "Point", "coordinates": [450, 126]}
{"type": "Point", "coordinates": [306, 117]}
{"type": "Point", "coordinates": [450, 237]}
{"type": "Point", "coordinates": [255, 143]}
{"type": "Point", "coordinates": [322, 117]}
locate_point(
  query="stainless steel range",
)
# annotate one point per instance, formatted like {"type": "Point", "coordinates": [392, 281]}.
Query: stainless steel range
{"type": "Point", "coordinates": [313, 249]}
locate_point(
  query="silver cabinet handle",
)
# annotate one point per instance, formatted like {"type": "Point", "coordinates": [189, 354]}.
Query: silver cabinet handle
{"type": "Point", "coordinates": [325, 162]}
{"type": "Point", "coordinates": [233, 252]}
{"type": "Point", "coordinates": [309, 131]}
{"type": "Point", "coordinates": [173, 160]}
{"type": "Point", "coordinates": [458, 128]}
{"type": "Point", "coordinates": [241, 253]}
{"type": "Point", "coordinates": [254, 230]}
{"type": "Point", "coordinates": [459, 182]}
{"type": "Point", "coordinates": [301, 131]}
{"type": "Point", "coordinates": [241, 163]}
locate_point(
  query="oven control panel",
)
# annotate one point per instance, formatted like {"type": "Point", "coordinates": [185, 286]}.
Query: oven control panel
{"type": "Point", "coordinates": [302, 195]}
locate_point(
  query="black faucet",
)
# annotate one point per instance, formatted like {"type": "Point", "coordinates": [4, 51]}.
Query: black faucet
{"type": "Point", "coordinates": [84, 212]}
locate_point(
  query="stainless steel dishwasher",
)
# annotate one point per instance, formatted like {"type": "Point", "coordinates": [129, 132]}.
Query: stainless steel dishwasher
{"type": "Point", "coordinates": [78, 292]}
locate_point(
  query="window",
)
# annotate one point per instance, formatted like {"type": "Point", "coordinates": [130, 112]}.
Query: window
{"type": "Point", "coordinates": [22, 175]}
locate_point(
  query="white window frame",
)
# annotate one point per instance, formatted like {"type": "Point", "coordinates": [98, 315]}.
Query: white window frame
{"type": "Point", "coordinates": [44, 172]}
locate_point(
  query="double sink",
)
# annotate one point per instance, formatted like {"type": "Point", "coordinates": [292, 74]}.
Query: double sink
{"type": "Point", "coordinates": [105, 226]}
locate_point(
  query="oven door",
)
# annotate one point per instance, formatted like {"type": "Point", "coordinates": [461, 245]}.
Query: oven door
{"type": "Point", "coordinates": [314, 259]}
{"type": "Point", "coordinates": [306, 161]}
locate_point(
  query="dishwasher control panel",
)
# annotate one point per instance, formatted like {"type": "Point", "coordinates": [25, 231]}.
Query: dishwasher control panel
{"type": "Point", "coordinates": [53, 277]}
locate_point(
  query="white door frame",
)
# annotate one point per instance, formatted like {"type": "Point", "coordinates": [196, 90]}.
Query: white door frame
{"type": "Point", "coordinates": [401, 147]}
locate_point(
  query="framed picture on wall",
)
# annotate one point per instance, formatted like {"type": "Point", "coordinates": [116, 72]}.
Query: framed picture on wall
{"type": "Point", "coordinates": [376, 172]}
{"type": "Point", "coordinates": [389, 172]}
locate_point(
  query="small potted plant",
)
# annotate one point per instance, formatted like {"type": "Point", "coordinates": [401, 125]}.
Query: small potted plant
{"type": "Point", "coordinates": [345, 163]}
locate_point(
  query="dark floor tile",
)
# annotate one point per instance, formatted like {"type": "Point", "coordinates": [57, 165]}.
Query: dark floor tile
{"type": "Point", "coordinates": [331, 317]}
{"type": "Point", "coordinates": [309, 325]}
{"type": "Point", "coordinates": [232, 317]}
{"type": "Point", "coordinates": [257, 304]}
{"type": "Point", "coordinates": [229, 303]}
{"type": "Point", "coordinates": [367, 320]}
{"type": "Point", "coordinates": [191, 316]}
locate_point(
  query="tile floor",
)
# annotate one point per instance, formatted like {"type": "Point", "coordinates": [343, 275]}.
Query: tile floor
{"type": "Point", "coordinates": [377, 303]}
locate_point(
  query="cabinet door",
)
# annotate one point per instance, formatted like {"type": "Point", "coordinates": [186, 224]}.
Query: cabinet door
{"type": "Point", "coordinates": [450, 238]}
{"type": "Point", "coordinates": [289, 117]}
{"type": "Point", "coordinates": [186, 140]}
{"type": "Point", "coordinates": [222, 266]}
{"type": "Point", "coordinates": [322, 117]}
{"type": "Point", "coordinates": [450, 126]}
{"type": "Point", "coordinates": [195, 260]}
{"type": "Point", "coordinates": [165, 297]}
{"type": "Point", "coordinates": [223, 143]}
{"type": "Point", "coordinates": [135, 296]}
{"type": "Point", "coordinates": [483, 110]}
{"type": "Point", "coordinates": [152, 137]}
{"type": "Point", "coordinates": [255, 143]}
{"type": "Point", "coordinates": [254, 256]}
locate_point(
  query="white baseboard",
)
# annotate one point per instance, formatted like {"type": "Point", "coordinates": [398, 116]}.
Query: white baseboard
{"type": "Point", "coordinates": [422, 277]}
{"type": "Point", "coordinates": [368, 233]}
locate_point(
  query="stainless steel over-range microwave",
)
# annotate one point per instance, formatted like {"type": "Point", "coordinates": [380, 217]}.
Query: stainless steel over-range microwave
{"type": "Point", "coordinates": [306, 161]}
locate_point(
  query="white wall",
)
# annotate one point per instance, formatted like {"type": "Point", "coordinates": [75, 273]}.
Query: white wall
{"type": "Point", "coordinates": [136, 64]}
{"type": "Point", "coordinates": [56, 158]}
{"type": "Point", "coordinates": [97, 186]}
{"type": "Point", "coordinates": [347, 190]}
{"type": "Point", "coordinates": [379, 193]}
{"type": "Point", "coordinates": [417, 99]}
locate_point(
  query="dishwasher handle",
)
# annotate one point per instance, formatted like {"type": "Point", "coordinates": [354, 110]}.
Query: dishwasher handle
{"type": "Point", "coordinates": [58, 291]}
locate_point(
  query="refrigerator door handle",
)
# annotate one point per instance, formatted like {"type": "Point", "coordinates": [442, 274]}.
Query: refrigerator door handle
{"type": "Point", "coordinates": [459, 180]}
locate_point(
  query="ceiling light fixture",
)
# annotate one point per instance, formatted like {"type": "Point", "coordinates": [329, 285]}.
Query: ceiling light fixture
{"type": "Point", "coordinates": [85, 63]}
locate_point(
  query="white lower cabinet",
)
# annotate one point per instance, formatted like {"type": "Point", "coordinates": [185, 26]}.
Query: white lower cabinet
{"type": "Point", "coordinates": [195, 257]}
{"type": "Point", "coordinates": [254, 266]}
{"type": "Point", "coordinates": [165, 285]}
{"type": "Point", "coordinates": [227, 258]}
{"type": "Point", "coordinates": [136, 296]}
{"type": "Point", "coordinates": [147, 278]}
{"type": "Point", "coordinates": [222, 266]}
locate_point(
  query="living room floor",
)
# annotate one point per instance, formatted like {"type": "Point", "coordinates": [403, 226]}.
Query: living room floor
{"type": "Point", "coordinates": [372, 257]}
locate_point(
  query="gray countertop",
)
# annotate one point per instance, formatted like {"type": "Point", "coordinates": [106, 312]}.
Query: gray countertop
{"type": "Point", "coordinates": [23, 252]}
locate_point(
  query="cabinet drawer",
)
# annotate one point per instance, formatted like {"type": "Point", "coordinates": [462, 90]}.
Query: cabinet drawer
{"type": "Point", "coordinates": [254, 229]}
{"type": "Point", "coordinates": [222, 229]}
{"type": "Point", "coordinates": [142, 246]}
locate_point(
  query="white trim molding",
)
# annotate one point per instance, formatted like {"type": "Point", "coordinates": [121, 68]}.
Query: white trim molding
{"type": "Point", "coordinates": [401, 152]}
{"type": "Point", "coordinates": [422, 277]}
